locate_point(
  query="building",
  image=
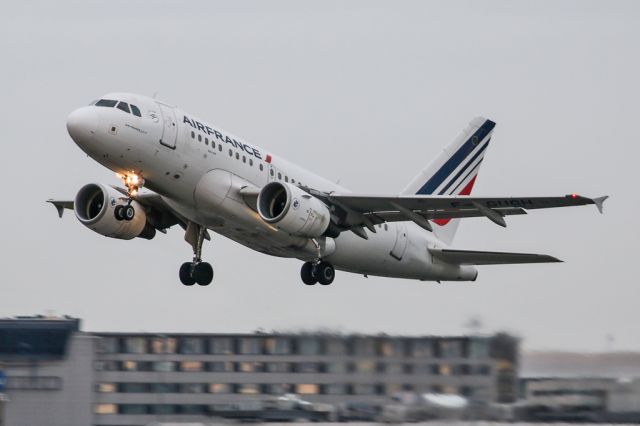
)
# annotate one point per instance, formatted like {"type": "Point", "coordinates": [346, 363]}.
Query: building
{"type": "Point", "coordinates": [59, 375]}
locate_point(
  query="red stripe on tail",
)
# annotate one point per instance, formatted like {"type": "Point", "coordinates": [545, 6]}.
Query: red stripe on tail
{"type": "Point", "coordinates": [465, 191]}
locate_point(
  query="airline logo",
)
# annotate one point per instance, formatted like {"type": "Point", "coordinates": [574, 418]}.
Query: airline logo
{"type": "Point", "coordinates": [458, 174]}
{"type": "Point", "coordinates": [222, 137]}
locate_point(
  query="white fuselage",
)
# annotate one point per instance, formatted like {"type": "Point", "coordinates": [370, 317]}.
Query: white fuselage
{"type": "Point", "coordinates": [199, 170]}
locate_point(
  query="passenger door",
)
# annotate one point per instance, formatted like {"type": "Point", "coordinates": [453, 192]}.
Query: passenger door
{"type": "Point", "coordinates": [169, 127]}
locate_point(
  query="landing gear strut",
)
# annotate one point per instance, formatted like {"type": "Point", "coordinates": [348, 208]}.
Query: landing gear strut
{"type": "Point", "coordinates": [196, 271]}
{"type": "Point", "coordinates": [317, 272]}
{"type": "Point", "coordinates": [133, 182]}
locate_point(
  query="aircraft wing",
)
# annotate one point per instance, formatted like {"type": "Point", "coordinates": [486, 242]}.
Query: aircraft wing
{"type": "Point", "coordinates": [471, 257]}
{"type": "Point", "coordinates": [374, 209]}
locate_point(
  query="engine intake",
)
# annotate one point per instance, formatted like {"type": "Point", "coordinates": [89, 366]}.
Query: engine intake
{"type": "Point", "coordinates": [293, 210]}
{"type": "Point", "coordinates": [94, 207]}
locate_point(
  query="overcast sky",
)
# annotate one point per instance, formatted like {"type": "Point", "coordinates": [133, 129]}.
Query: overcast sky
{"type": "Point", "coordinates": [361, 92]}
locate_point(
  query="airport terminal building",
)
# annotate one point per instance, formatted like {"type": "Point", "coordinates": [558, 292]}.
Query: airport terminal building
{"type": "Point", "coordinates": [57, 374]}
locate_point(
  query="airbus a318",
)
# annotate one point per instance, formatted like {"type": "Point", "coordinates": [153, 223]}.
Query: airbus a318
{"type": "Point", "coordinates": [177, 169]}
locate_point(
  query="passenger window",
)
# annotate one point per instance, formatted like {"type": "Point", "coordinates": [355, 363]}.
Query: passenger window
{"type": "Point", "coordinates": [250, 162]}
{"type": "Point", "coordinates": [135, 110]}
{"type": "Point", "coordinates": [199, 138]}
{"type": "Point", "coordinates": [213, 144]}
{"type": "Point", "coordinates": [261, 166]}
{"type": "Point", "coordinates": [106, 103]}
{"type": "Point", "coordinates": [244, 159]}
{"type": "Point", "coordinates": [206, 141]}
{"type": "Point", "coordinates": [193, 134]}
{"type": "Point", "coordinates": [237, 156]}
{"type": "Point", "coordinates": [220, 148]}
{"type": "Point", "coordinates": [124, 107]}
{"type": "Point", "coordinates": [286, 178]}
{"type": "Point", "coordinates": [271, 172]}
{"type": "Point", "coordinates": [279, 176]}
{"type": "Point", "coordinates": [230, 153]}
{"type": "Point", "coordinates": [293, 181]}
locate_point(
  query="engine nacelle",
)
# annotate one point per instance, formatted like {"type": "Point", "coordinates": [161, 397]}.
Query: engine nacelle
{"type": "Point", "coordinates": [294, 211]}
{"type": "Point", "coordinates": [94, 207]}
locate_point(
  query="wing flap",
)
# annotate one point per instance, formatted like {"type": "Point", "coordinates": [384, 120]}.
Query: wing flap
{"type": "Point", "coordinates": [473, 257]}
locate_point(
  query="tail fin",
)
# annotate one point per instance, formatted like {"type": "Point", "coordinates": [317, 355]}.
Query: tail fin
{"type": "Point", "coordinates": [454, 171]}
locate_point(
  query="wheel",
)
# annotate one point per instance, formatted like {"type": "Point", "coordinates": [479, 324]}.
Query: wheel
{"type": "Point", "coordinates": [325, 273]}
{"type": "Point", "coordinates": [128, 212]}
{"type": "Point", "coordinates": [306, 273]}
{"type": "Point", "coordinates": [185, 274]}
{"type": "Point", "coordinates": [203, 273]}
{"type": "Point", "coordinates": [117, 212]}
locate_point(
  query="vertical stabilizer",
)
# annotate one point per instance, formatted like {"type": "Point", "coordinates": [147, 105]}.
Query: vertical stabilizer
{"type": "Point", "coordinates": [454, 171]}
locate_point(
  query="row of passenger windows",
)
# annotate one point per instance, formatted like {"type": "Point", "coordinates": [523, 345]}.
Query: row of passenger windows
{"type": "Point", "coordinates": [276, 388]}
{"type": "Point", "coordinates": [237, 155]}
{"type": "Point", "coordinates": [128, 108]}
{"type": "Point", "coordinates": [357, 367]}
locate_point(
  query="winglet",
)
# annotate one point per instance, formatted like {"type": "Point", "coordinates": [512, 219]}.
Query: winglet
{"type": "Point", "coordinates": [60, 205]}
{"type": "Point", "coordinates": [599, 201]}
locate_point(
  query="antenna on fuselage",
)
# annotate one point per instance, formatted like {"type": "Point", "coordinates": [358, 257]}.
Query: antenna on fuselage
{"type": "Point", "coordinates": [155, 94]}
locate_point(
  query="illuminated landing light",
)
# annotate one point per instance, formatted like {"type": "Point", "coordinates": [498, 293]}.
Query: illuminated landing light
{"type": "Point", "coordinates": [133, 182]}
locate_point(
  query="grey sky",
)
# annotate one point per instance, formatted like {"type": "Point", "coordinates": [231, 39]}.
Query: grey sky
{"type": "Point", "coordinates": [364, 92]}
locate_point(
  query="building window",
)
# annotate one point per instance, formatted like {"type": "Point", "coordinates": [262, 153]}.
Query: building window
{"type": "Point", "coordinates": [308, 345]}
{"type": "Point", "coordinates": [106, 366]}
{"type": "Point", "coordinates": [479, 348]}
{"type": "Point", "coordinates": [364, 389]}
{"type": "Point", "coordinates": [219, 388]}
{"type": "Point", "coordinates": [191, 409]}
{"type": "Point", "coordinates": [135, 345]}
{"type": "Point", "coordinates": [422, 369]}
{"type": "Point", "coordinates": [278, 346]}
{"type": "Point", "coordinates": [221, 367]}
{"type": "Point", "coordinates": [164, 366]}
{"type": "Point", "coordinates": [444, 370]}
{"type": "Point", "coordinates": [335, 389]}
{"type": "Point", "coordinates": [307, 389]}
{"type": "Point", "coordinates": [391, 389]}
{"type": "Point", "coordinates": [364, 347]}
{"type": "Point", "coordinates": [132, 409]}
{"type": "Point", "coordinates": [163, 409]}
{"type": "Point", "coordinates": [192, 388]}
{"type": "Point", "coordinates": [250, 346]}
{"type": "Point", "coordinates": [105, 409]}
{"type": "Point", "coordinates": [365, 366]}
{"type": "Point", "coordinates": [422, 348]}
{"type": "Point", "coordinates": [335, 346]}
{"type": "Point", "coordinates": [164, 388]}
{"type": "Point", "coordinates": [132, 366]}
{"type": "Point", "coordinates": [106, 387]}
{"type": "Point", "coordinates": [392, 348]}
{"type": "Point", "coordinates": [191, 366]}
{"type": "Point", "coordinates": [108, 345]}
{"type": "Point", "coordinates": [450, 348]}
{"type": "Point", "coordinates": [336, 367]}
{"type": "Point", "coordinates": [277, 388]}
{"type": "Point", "coordinates": [133, 388]}
{"type": "Point", "coordinates": [394, 368]}
{"type": "Point", "coordinates": [277, 367]}
{"type": "Point", "coordinates": [191, 345]}
{"type": "Point", "coordinates": [221, 346]}
{"type": "Point", "coordinates": [250, 367]}
{"type": "Point", "coordinates": [163, 345]}
{"type": "Point", "coordinates": [248, 389]}
{"type": "Point", "coordinates": [307, 367]}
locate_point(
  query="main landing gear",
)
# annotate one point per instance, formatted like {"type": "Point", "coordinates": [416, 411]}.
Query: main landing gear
{"type": "Point", "coordinates": [317, 272]}
{"type": "Point", "coordinates": [133, 182]}
{"type": "Point", "coordinates": [197, 271]}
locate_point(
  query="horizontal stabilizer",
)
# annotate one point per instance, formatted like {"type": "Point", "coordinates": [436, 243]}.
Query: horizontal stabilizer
{"type": "Point", "coordinates": [472, 257]}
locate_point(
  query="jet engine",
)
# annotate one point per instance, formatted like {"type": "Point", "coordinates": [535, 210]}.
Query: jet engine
{"type": "Point", "coordinates": [292, 210]}
{"type": "Point", "coordinates": [94, 207]}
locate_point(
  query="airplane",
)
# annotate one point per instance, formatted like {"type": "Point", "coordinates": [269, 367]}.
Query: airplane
{"type": "Point", "coordinates": [178, 169]}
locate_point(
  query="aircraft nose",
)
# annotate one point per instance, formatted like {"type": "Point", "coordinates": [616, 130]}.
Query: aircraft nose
{"type": "Point", "coordinates": [82, 124]}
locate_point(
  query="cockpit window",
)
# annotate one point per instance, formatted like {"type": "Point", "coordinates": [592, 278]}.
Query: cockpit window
{"type": "Point", "coordinates": [135, 110]}
{"type": "Point", "coordinates": [124, 107]}
{"type": "Point", "coordinates": [106, 103]}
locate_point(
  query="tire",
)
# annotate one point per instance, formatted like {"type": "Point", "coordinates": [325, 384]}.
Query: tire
{"type": "Point", "coordinates": [128, 212]}
{"type": "Point", "coordinates": [325, 273]}
{"type": "Point", "coordinates": [203, 273]}
{"type": "Point", "coordinates": [117, 212]}
{"type": "Point", "coordinates": [306, 273]}
{"type": "Point", "coordinates": [185, 274]}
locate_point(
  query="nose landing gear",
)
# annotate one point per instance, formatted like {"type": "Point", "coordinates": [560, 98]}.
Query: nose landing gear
{"type": "Point", "coordinates": [197, 271]}
{"type": "Point", "coordinates": [133, 182]}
